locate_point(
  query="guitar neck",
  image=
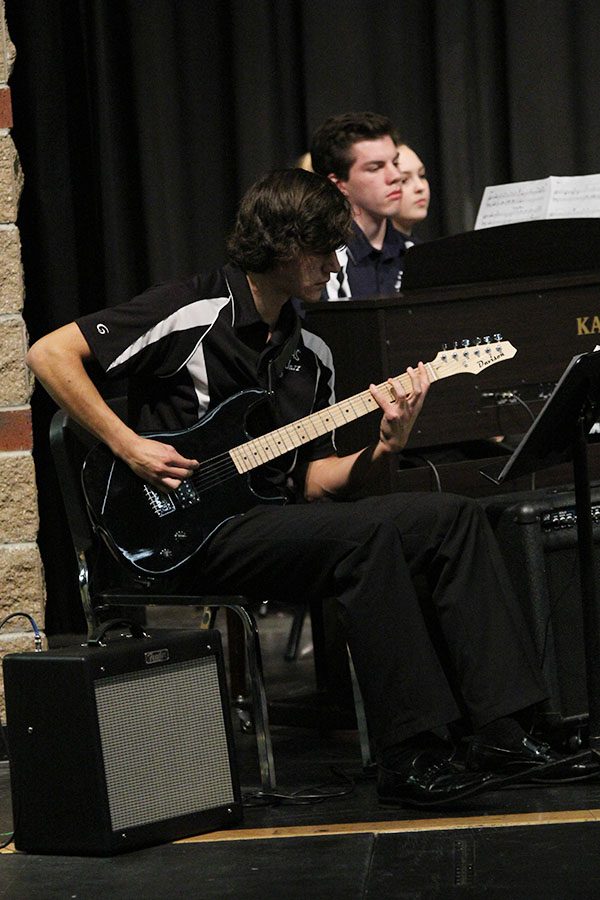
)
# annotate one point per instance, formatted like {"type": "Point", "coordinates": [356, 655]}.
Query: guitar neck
{"type": "Point", "coordinates": [289, 437]}
{"type": "Point", "coordinates": [468, 358]}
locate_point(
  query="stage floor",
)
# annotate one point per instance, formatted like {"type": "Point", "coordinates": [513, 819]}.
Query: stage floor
{"type": "Point", "coordinates": [515, 843]}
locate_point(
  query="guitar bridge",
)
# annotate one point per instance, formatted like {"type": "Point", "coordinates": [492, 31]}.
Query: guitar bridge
{"type": "Point", "coordinates": [160, 504]}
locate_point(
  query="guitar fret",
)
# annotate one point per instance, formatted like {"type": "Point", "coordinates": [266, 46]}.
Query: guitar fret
{"type": "Point", "coordinates": [299, 434]}
{"type": "Point", "coordinates": [309, 423]}
{"type": "Point", "coordinates": [279, 438]}
{"type": "Point", "coordinates": [242, 459]}
{"type": "Point", "coordinates": [259, 450]}
{"type": "Point", "coordinates": [365, 403]}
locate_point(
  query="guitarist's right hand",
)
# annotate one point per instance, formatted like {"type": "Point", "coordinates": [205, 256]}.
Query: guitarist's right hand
{"type": "Point", "coordinates": [58, 361]}
{"type": "Point", "coordinates": [158, 463]}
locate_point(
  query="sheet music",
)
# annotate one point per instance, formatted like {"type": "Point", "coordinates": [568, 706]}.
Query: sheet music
{"type": "Point", "coordinates": [555, 197]}
{"type": "Point", "coordinates": [503, 204]}
{"type": "Point", "coordinates": [574, 197]}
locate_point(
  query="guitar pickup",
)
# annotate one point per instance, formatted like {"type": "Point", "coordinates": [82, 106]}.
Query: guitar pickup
{"type": "Point", "coordinates": [186, 493]}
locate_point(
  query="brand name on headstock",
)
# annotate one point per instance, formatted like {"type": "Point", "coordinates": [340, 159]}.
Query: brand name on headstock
{"type": "Point", "coordinates": [492, 358]}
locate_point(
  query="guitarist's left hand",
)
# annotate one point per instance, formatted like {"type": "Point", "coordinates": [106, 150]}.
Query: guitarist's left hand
{"type": "Point", "coordinates": [335, 475]}
{"type": "Point", "coordinates": [400, 410]}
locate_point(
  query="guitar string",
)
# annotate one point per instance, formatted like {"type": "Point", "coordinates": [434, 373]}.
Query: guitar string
{"type": "Point", "coordinates": [223, 467]}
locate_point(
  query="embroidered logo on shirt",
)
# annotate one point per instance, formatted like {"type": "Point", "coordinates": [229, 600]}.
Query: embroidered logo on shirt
{"type": "Point", "coordinates": [293, 364]}
{"type": "Point", "coordinates": [102, 329]}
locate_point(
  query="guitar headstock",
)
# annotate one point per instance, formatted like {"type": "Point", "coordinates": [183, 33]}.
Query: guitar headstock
{"type": "Point", "coordinates": [473, 356]}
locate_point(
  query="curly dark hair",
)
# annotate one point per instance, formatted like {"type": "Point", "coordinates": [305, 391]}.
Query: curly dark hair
{"type": "Point", "coordinates": [287, 212]}
{"type": "Point", "coordinates": [331, 146]}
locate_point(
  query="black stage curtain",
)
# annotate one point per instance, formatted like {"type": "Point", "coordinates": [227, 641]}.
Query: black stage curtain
{"type": "Point", "coordinates": [139, 123]}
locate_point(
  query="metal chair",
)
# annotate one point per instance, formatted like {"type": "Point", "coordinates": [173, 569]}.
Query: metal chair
{"type": "Point", "coordinates": [69, 445]}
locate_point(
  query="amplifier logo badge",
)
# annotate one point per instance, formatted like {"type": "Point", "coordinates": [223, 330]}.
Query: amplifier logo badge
{"type": "Point", "coordinates": [156, 656]}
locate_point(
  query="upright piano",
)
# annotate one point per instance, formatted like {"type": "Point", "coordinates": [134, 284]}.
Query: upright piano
{"type": "Point", "coordinates": [536, 284]}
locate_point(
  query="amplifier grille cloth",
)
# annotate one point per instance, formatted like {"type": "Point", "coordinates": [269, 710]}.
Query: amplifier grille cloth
{"type": "Point", "coordinates": [164, 742]}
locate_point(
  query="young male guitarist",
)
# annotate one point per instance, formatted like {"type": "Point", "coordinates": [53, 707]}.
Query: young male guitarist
{"type": "Point", "coordinates": [188, 349]}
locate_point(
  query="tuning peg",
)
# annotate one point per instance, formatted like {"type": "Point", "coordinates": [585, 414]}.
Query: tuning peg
{"type": "Point", "coordinates": [487, 339]}
{"type": "Point", "coordinates": [497, 337]}
{"type": "Point", "coordinates": [465, 343]}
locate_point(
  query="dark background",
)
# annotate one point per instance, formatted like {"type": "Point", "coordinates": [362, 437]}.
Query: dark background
{"type": "Point", "coordinates": [139, 123]}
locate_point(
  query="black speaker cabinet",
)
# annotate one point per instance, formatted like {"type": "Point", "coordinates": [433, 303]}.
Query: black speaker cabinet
{"type": "Point", "coordinates": [537, 532]}
{"type": "Point", "coordinates": [119, 746]}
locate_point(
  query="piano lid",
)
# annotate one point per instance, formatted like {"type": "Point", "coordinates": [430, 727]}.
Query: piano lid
{"type": "Point", "coordinates": [522, 249]}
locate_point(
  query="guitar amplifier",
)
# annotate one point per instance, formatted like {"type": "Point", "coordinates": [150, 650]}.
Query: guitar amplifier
{"type": "Point", "coordinates": [118, 746]}
{"type": "Point", "coordinates": [537, 533]}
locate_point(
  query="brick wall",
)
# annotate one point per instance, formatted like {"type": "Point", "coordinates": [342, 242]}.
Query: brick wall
{"type": "Point", "coordinates": [21, 575]}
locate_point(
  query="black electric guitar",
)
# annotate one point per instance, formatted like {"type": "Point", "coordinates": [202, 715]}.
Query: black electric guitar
{"type": "Point", "coordinates": [156, 532]}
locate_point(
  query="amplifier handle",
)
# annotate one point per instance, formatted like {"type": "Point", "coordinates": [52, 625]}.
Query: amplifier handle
{"type": "Point", "coordinates": [96, 639]}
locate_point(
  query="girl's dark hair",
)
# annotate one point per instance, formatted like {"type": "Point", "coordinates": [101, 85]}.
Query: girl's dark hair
{"type": "Point", "coordinates": [331, 147]}
{"type": "Point", "coordinates": [287, 212]}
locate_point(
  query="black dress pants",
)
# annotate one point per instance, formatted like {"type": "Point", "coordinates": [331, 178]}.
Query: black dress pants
{"type": "Point", "coordinates": [367, 554]}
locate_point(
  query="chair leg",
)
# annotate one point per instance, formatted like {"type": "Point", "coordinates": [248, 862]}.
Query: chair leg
{"type": "Point", "coordinates": [361, 719]}
{"type": "Point", "coordinates": [236, 652]}
{"type": "Point", "coordinates": [264, 744]}
{"type": "Point", "coordinates": [89, 612]}
{"type": "Point", "coordinates": [293, 644]}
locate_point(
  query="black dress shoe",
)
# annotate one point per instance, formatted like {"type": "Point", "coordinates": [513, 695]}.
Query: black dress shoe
{"type": "Point", "coordinates": [429, 778]}
{"type": "Point", "coordinates": [532, 757]}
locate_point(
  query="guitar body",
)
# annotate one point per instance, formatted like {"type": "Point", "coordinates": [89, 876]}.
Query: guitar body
{"type": "Point", "coordinates": [155, 532]}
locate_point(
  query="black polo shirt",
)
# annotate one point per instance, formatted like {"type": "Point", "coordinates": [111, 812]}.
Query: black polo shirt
{"type": "Point", "coordinates": [187, 346]}
{"type": "Point", "coordinates": [367, 272]}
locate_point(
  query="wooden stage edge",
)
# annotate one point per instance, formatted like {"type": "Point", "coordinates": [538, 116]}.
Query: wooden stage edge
{"type": "Point", "coordinates": [563, 817]}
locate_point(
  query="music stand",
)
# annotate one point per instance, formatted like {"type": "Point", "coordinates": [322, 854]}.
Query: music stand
{"type": "Point", "coordinates": [560, 433]}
